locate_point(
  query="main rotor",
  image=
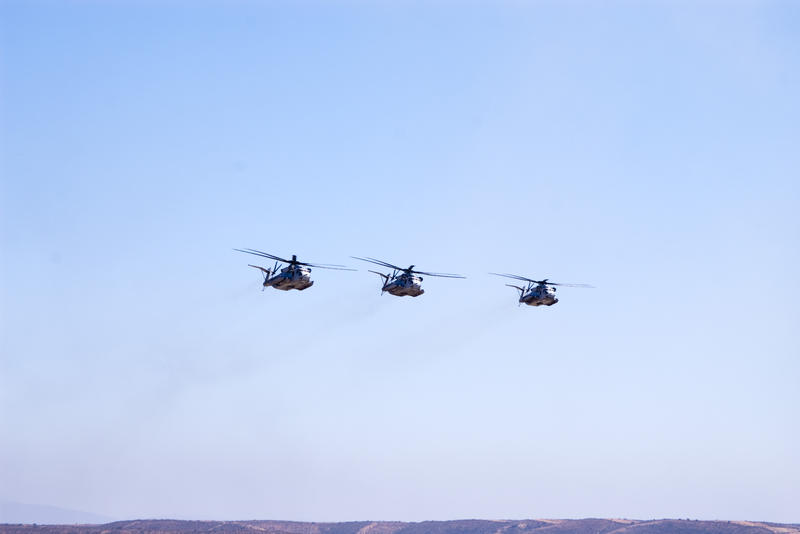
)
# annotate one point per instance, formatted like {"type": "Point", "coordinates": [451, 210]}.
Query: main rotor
{"type": "Point", "coordinates": [294, 260]}
{"type": "Point", "coordinates": [408, 270]}
{"type": "Point", "coordinates": [544, 282]}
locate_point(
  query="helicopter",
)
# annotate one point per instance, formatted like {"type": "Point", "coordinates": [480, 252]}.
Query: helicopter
{"type": "Point", "coordinates": [294, 276]}
{"type": "Point", "coordinates": [403, 282]}
{"type": "Point", "coordinates": [537, 292]}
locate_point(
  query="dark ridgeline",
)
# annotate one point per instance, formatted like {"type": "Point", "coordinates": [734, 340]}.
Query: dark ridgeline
{"type": "Point", "coordinates": [471, 526]}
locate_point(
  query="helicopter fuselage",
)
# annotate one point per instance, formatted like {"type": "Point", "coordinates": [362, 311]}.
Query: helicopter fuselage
{"type": "Point", "coordinates": [541, 295]}
{"type": "Point", "coordinates": [291, 277]}
{"type": "Point", "coordinates": [404, 285]}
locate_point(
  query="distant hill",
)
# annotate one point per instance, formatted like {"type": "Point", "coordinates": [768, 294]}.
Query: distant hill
{"type": "Point", "coordinates": [16, 512]}
{"type": "Point", "coordinates": [472, 526]}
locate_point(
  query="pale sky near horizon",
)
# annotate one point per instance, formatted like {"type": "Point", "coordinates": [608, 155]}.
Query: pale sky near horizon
{"type": "Point", "coordinates": [649, 149]}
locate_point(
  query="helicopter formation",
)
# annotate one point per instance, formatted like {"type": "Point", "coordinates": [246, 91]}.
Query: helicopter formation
{"type": "Point", "coordinates": [400, 282]}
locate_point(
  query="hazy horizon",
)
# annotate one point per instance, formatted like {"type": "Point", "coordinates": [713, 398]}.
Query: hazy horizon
{"type": "Point", "coordinates": [650, 150]}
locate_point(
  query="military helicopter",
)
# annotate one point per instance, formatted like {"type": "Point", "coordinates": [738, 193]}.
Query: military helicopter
{"type": "Point", "coordinates": [403, 282]}
{"type": "Point", "coordinates": [294, 276]}
{"type": "Point", "coordinates": [537, 292]}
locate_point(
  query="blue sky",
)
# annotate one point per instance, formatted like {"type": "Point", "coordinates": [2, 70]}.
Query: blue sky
{"type": "Point", "coordinates": [649, 150]}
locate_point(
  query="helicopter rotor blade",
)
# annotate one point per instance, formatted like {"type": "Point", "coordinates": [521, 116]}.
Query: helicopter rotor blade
{"type": "Point", "coordinates": [379, 262]}
{"type": "Point", "coordinates": [262, 254]}
{"type": "Point", "coordinates": [262, 269]}
{"type": "Point", "coordinates": [326, 266]}
{"type": "Point", "coordinates": [521, 292]}
{"type": "Point", "coordinates": [294, 261]}
{"type": "Point", "coordinates": [384, 280]}
{"type": "Point", "coordinates": [516, 277]}
{"type": "Point", "coordinates": [443, 275]}
{"type": "Point", "coordinates": [384, 276]}
{"type": "Point", "coordinates": [408, 270]}
{"type": "Point", "coordinates": [323, 265]}
{"type": "Point", "coordinates": [544, 282]}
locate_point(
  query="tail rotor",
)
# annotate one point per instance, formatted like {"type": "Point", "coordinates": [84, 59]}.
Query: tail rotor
{"type": "Point", "coordinates": [384, 279]}
{"type": "Point", "coordinates": [521, 292]}
{"type": "Point", "coordinates": [266, 273]}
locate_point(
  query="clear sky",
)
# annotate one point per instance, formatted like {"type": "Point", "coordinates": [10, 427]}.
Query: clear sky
{"type": "Point", "coordinates": [651, 149]}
